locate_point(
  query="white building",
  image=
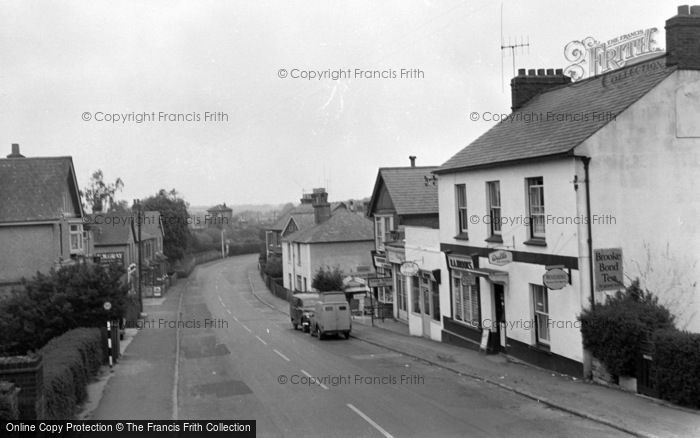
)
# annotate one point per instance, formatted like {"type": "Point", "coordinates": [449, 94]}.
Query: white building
{"type": "Point", "coordinates": [610, 162]}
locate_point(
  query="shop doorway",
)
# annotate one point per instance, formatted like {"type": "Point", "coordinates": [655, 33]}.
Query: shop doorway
{"type": "Point", "coordinates": [500, 307]}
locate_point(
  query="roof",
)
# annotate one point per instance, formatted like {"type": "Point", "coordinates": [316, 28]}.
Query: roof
{"type": "Point", "coordinates": [342, 226]}
{"type": "Point", "coordinates": [296, 211]}
{"type": "Point", "coordinates": [219, 208]}
{"type": "Point", "coordinates": [595, 101]}
{"type": "Point", "coordinates": [111, 228]}
{"type": "Point", "coordinates": [33, 189]}
{"type": "Point", "coordinates": [408, 189]}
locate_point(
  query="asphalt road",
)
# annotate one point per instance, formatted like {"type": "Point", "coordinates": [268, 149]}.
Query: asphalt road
{"type": "Point", "coordinates": [240, 359]}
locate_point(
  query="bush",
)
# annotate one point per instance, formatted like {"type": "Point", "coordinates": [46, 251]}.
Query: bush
{"type": "Point", "coordinates": [676, 366]}
{"type": "Point", "coordinates": [9, 404]}
{"type": "Point", "coordinates": [328, 279]}
{"type": "Point", "coordinates": [54, 303]}
{"type": "Point", "coordinates": [70, 361]}
{"type": "Point", "coordinates": [273, 267]}
{"type": "Point", "coordinates": [616, 330]}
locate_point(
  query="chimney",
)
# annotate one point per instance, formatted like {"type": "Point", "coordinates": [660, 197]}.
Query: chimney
{"type": "Point", "coordinates": [15, 152]}
{"type": "Point", "coordinates": [322, 209]}
{"type": "Point", "coordinates": [526, 86]}
{"type": "Point", "coordinates": [413, 160]}
{"type": "Point", "coordinates": [306, 198]}
{"type": "Point", "coordinates": [683, 38]}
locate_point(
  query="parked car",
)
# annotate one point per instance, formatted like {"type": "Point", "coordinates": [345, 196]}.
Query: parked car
{"type": "Point", "coordinates": [331, 316]}
{"type": "Point", "coordinates": [301, 307]}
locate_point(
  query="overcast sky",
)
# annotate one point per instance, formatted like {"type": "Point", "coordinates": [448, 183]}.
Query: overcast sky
{"type": "Point", "coordinates": [63, 62]}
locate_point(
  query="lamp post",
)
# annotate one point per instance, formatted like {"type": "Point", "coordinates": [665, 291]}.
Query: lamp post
{"type": "Point", "coordinates": [222, 243]}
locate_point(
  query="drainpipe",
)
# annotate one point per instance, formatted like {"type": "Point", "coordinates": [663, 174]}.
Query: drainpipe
{"type": "Point", "coordinates": [586, 162]}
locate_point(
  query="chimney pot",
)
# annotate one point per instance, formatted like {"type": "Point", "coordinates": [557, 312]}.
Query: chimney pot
{"type": "Point", "coordinates": [413, 160]}
{"type": "Point", "coordinates": [683, 10]}
{"type": "Point", "coordinates": [559, 71]}
{"type": "Point", "coordinates": [540, 72]}
{"type": "Point", "coordinates": [531, 72]}
{"type": "Point", "coordinates": [15, 151]}
{"type": "Point", "coordinates": [521, 72]}
{"type": "Point", "coordinates": [695, 10]}
{"type": "Point", "coordinates": [550, 72]}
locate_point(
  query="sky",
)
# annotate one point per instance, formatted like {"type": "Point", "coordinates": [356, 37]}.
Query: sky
{"type": "Point", "coordinates": [76, 78]}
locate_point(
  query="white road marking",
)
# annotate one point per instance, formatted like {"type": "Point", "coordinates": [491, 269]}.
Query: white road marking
{"type": "Point", "coordinates": [221, 301]}
{"type": "Point", "coordinates": [245, 327]}
{"type": "Point", "coordinates": [261, 340]}
{"type": "Point", "coordinates": [315, 380]}
{"type": "Point", "coordinates": [268, 331]}
{"type": "Point", "coordinates": [370, 421]}
{"type": "Point", "coordinates": [281, 355]}
{"type": "Point", "coordinates": [229, 312]}
{"type": "Point", "coordinates": [235, 318]}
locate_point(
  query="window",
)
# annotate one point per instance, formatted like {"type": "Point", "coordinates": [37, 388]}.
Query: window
{"type": "Point", "coordinates": [435, 294]}
{"type": "Point", "coordinates": [465, 296]}
{"type": "Point", "coordinates": [461, 203]}
{"type": "Point", "coordinates": [401, 291]}
{"type": "Point", "coordinates": [305, 288]}
{"type": "Point", "coordinates": [382, 227]}
{"type": "Point", "coordinates": [415, 295]}
{"type": "Point", "coordinates": [297, 247]}
{"type": "Point", "coordinates": [290, 284]}
{"type": "Point", "coordinates": [541, 305]}
{"type": "Point", "coordinates": [535, 197]}
{"type": "Point", "coordinates": [494, 206]}
{"type": "Point", "coordinates": [298, 287]}
{"type": "Point", "coordinates": [289, 255]}
{"type": "Point", "coordinates": [76, 239]}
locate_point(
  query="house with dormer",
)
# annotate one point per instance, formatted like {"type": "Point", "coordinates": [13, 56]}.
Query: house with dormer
{"type": "Point", "coordinates": [586, 186]}
{"type": "Point", "coordinates": [41, 216]}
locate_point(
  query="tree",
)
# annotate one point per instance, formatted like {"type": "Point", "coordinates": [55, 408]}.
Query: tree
{"type": "Point", "coordinates": [173, 212]}
{"type": "Point", "coordinates": [98, 191]}
{"type": "Point", "coordinates": [328, 279]}
{"type": "Point", "coordinates": [120, 207]}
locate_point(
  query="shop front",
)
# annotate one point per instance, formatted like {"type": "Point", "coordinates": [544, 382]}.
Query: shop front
{"type": "Point", "coordinates": [396, 256]}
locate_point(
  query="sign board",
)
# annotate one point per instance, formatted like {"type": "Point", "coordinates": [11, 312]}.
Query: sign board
{"type": "Point", "coordinates": [555, 278]}
{"type": "Point", "coordinates": [381, 262]}
{"type": "Point", "coordinates": [409, 268]}
{"type": "Point", "coordinates": [484, 339]}
{"type": "Point", "coordinates": [461, 263]}
{"type": "Point", "coordinates": [500, 257]}
{"type": "Point", "coordinates": [107, 258]}
{"type": "Point", "coordinates": [468, 280]}
{"type": "Point", "coordinates": [381, 282]}
{"type": "Point", "coordinates": [107, 305]}
{"type": "Point", "coordinates": [395, 257]}
{"type": "Point", "coordinates": [607, 266]}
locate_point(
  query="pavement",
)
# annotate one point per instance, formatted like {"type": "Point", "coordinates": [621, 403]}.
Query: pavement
{"type": "Point", "coordinates": [634, 414]}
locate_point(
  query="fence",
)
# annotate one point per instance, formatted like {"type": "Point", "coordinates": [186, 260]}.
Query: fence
{"type": "Point", "coordinates": [273, 284]}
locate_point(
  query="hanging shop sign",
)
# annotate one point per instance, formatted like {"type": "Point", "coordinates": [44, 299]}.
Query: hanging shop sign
{"type": "Point", "coordinates": [555, 278]}
{"type": "Point", "coordinates": [500, 257]}
{"type": "Point", "coordinates": [380, 282]}
{"type": "Point", "coordinates": [381, 262]}
{"type": "Point", "coordinates": [409, 269]}
{"type": "Point", "coordinates": [607, 266]}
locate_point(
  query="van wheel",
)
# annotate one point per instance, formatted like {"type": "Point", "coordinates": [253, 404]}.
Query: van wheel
{"type": "Point", "coordinates": [296, 326]}
{"type": "Point", "coordinates": [347, 335]}
{"type": "Point", "coordinates": [319, 333]}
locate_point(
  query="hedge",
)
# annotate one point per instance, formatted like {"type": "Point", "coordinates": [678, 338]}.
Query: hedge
{"type": "Point", "coordinates": [70, 361]}
{"type": "Point", "coordinates": [9, 404]}
{"type": "Point", "coordinates": [676, 366]}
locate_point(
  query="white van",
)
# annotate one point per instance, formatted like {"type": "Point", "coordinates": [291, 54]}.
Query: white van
{"type": "Point", "coordinates": [331, 316]}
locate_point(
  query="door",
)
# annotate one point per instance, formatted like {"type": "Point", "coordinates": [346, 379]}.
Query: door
{"type": "Point", "coordinates": [500, 307]}
{"type": "Point", "coordinates": [425, 305]}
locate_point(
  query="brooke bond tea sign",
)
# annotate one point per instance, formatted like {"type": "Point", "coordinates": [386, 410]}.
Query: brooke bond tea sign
{"type": "Point", "coordinates": [607, 265]}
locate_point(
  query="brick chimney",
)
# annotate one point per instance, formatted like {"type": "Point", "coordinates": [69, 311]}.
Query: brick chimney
{"type": "Point", "coordinates": [526, 86]}
{"type": "Point", "coordinates": [322, 209]}
{"type": "Point", "coordinates": [306, 198]}
{"type": "Point", "coordinates": [15, 152]}
{"type": "Point", "coordinates": [413, 160]}
{"type": "Point", "coordinates": [683, 38]}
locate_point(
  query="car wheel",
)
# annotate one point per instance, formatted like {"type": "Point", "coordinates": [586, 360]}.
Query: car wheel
{"type": "Point", "coordinates": [319, 333]}
{"type": "Point", "coordinates": [312, 332]}
{"type": "Point", "coordinates": [347, 335]}
{"type": "Point", "coordinates": [296, 326]}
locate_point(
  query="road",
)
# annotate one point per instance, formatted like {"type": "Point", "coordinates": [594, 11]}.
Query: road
{"type": "Point", "coordinates": [241, 359]}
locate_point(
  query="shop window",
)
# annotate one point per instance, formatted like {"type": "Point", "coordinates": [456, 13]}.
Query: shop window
{"type": "Point", "coordinates": [465, 299]}
{"type": "Point", "coordinates": [415, 295]}
{"type": "Point", "coordinates": [401, 292]}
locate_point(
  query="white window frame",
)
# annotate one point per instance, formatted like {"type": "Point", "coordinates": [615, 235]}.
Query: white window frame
{"type": "Point", "coordinates": [76, 232]}
{"type": "Point", "coordinates": [536, 207]}
{"type": "Point", "coordinates": [493, 192]}
{"type": "Point", "coordinates": [383, 224]}
{"type": "Point", "coordinates": [465, 300]}
{"type": "Point", "coordinates": [540, 302]}
{"type": "Point", "coordinates": [461, 208]}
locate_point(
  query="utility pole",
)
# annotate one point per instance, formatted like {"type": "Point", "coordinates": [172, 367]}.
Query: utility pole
{"type": "Point", "coordinates": [137, 204]}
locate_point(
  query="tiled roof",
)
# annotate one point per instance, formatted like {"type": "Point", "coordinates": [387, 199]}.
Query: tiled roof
{"type": "Point", "coordinates": [520, 139]}
{"type": "Point", "coordinates": [111, 228]}
{"type": "Point", "coordinates": [342, 226]}
{"type": "Point", "coordinates": [408, 189]}
{"type": "Point", "coordinates": [33, 189]}
{"type": "Point", "coordinates": [299, 210]}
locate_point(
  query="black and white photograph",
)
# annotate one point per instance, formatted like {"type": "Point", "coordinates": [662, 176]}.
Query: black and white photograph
{"type": "Point", "coordinates": [325, 218]}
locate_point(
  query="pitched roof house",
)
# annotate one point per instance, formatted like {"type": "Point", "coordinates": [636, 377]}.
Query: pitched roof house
{"type": "Point", "coordinates": [41, 216]}
{"type": "Point", "coordinates": [591, 182]}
